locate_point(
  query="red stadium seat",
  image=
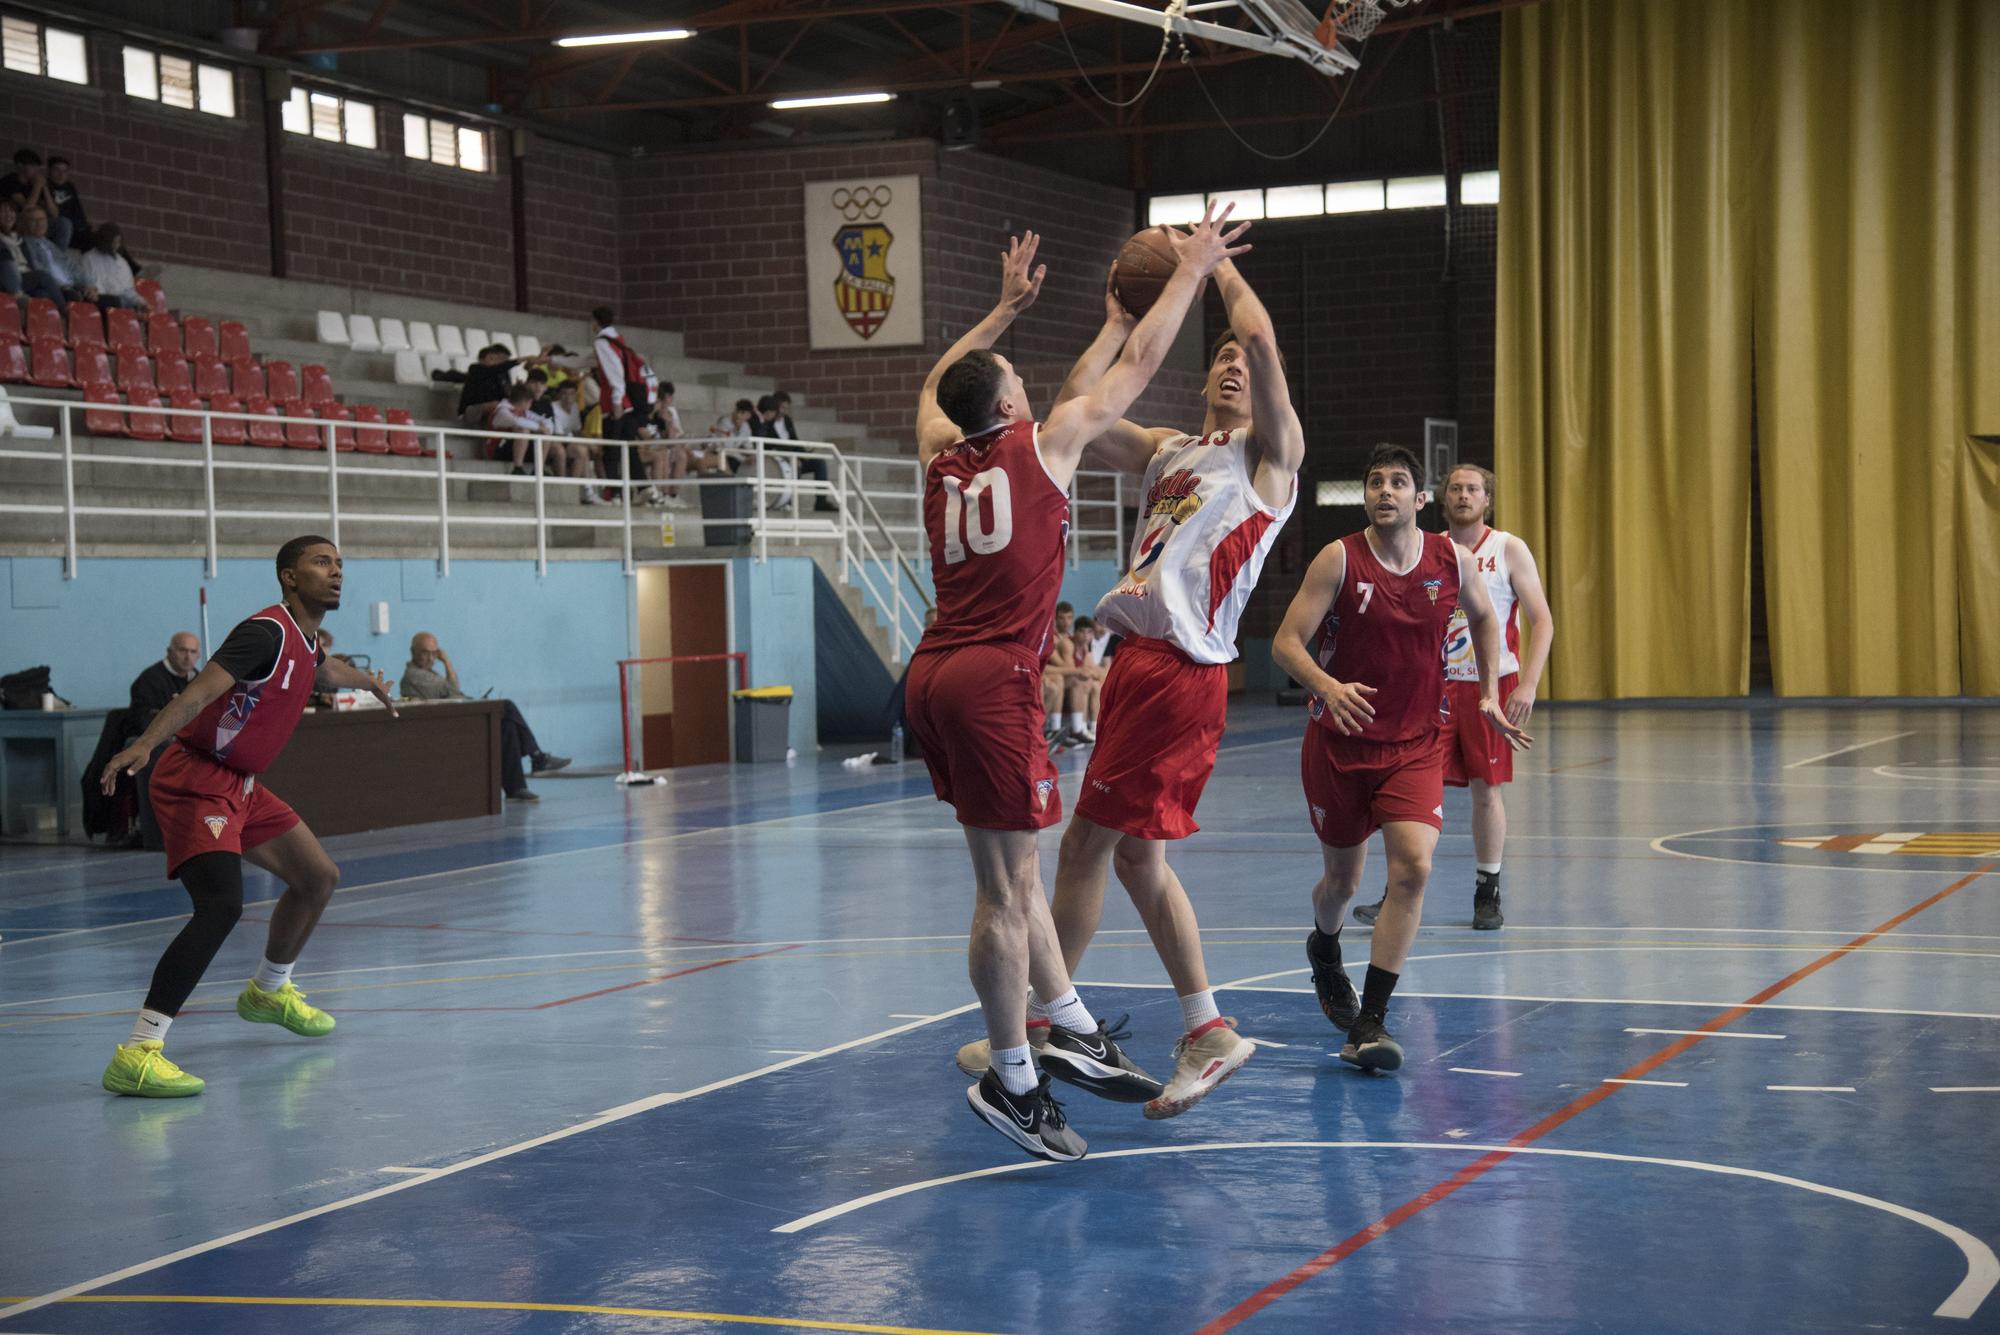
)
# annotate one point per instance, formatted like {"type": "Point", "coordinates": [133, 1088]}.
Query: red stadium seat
{"type": "Point", "coordinates": [318, 385]}
{"type": "Point", "coordinates": [198, 338]}
{"type": "Point", "coordinates": [235, 342]}
{"type": "Point", "coordinates": [343, 436]}
{"type": "Point", "coordinates": [282, 382]}
{"type": "Point", "coordinates": [50, 364]}
{"type": "Point", "coordinates": [246, 380]}
{"type": "Point", "coordinates": [369, 437]}
{"type": "Point", "coordinates": [227, 430]}
{"type": "Point", "coordinates": [211, 379]}
{"type": "Point", "coordinates": [135, 372]}
{"type": "Point", "coordinates": [172, 375]}
{"type": "Point", "coordinates": [86, 325]}
{"type": "Point", "coordinates": [13, 363]}
{"type": "Point", "coordinates": [147, 426]}
{"type": "Point", "coordinates": [126, 331]}
{"type": "Point", "coordinates": [406, 443]}
{"type": "Point", "coordinates": [44, 320]}
{"type": "Point", "coordinates": [163, 334]}
{"type": "Point", "coordinates": [10, 321]}
{"type": "Point", "coordinates": [90, 366]}
{"type": "Point", "coordinates": [155, 295]}
{"type": "Point", "coordinates": [302, 429]}
{"type": "Point", "coordinates": [268, 427]}
{"type": "Point", "coordinates": [184, 429]}
{"type": "Point", "coordinates": [102, 421]}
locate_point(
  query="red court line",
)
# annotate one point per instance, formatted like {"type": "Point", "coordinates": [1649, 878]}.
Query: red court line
{"type": "Point", "coordinates": [1582, 764]}
{"type": "Point", "coordinates": [519, 931]}
{"type": "Point", "coordinates": [1485, 1164]}
{"type": "Point", "coordinates": [661, 978]}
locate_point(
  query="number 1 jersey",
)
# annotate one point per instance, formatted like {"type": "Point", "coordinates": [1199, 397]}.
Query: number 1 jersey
{"type": "Point", "coordinates": [997, 524]}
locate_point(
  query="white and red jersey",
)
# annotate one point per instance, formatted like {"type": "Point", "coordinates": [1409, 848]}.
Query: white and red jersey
{"type": "Point", "coordinates": [1489, 556]}
{"type": "Point", "coordinates": [998, 527]}
{"type": "Point", "coordinates": [1202, 537]}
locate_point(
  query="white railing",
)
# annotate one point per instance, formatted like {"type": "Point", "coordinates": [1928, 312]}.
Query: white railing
{"type": "Point", "coordinates": [885, 556]}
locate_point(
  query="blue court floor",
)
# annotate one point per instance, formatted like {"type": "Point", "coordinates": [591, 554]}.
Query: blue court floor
{"type": "Point", "coordinates": [679, 1059]}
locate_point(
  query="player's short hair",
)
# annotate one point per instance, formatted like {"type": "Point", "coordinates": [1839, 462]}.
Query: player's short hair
{"type": "Point", "coordinates": [1391, 455]}
{"type": "Point", "coordinates": [289, 554]}
{"type": "Point", "coordinates": [1227, 337]}
{"type": "Point", "coordinates": [1082, 622]}
{"type": "Point", "coordinates": [1485, 479]}
{"type": "Point", "coordinates": [969, 390]}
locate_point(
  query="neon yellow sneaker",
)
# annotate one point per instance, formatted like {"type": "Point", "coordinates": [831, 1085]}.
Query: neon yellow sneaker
{"type": "Point", "coordinates": [142, 1070]}
{"type": "Point", "coordinates": [286, 1006]}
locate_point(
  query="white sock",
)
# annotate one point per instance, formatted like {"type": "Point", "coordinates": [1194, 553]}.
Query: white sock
{"type": "Point", "coordinates": [271, 977]}
{"type": "Point", "coordinates": [1074, 722]}
{"type": "Point", "coordinates": [1490, 868]}
{"type": "Point", "coordinates": [1197, 1009]}
{"type": "Point", "coordinates": [1016, 1068]}
{"type": "Point", "coordinates": [1069, 1011]}
{"type": "Point", "coordinates": [150, 1025]}
{"type": "Point", "coordinates": [1037, 1008]}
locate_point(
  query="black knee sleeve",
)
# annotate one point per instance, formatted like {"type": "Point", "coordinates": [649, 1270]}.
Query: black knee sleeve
{"type": "Point", "coordinates": [214, 881]}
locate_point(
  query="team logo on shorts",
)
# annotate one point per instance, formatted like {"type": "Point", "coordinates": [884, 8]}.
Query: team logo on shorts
{"type": "Point", "coordinates": [1043, 787]}
{"type": "Point", "coordinates": [215, 824]}
{"type": "Point", "coordinates": [1433, 587]}
{"type": "Point", "coordinates": [1319, 815]}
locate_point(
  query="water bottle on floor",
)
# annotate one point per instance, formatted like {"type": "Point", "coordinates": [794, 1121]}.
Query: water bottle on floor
{"type": "Point", "coordinates": [896, 745]}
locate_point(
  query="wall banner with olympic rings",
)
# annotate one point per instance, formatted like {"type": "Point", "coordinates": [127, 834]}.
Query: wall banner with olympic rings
{"type": "Point", "coordinates": [864, 262]}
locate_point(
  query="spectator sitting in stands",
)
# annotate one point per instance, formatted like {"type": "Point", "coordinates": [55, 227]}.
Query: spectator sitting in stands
{"type": "Point", "coordinates": [814, 467]}
{"type": "Point", "coordinates": [516, 416]}
{"type": "Point", "coordinates": [1066, 684]}
{"type": "Point", "coordinates": [48, 258]}
{"type": "Point", "coordinates": [665, 462]}
{"type": "Point", "coordinates": [18, 278]}
{"type": "Point", "coordinates": [565, 418]}
{"type": "Point", "coordinates": [485, 382]}
{"type": "Point", "coordinates": [152, 690]}
{"type": "Point", "coordinates": [104, 270]}
{"type": "Point", "coordinates": [27, 187]}
{"type": "Point", "coordinates": [69, 207]}
{"type": "Point", "coordinates": [422, 681]}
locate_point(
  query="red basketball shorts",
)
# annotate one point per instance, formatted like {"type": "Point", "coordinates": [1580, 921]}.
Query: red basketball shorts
{"type": "Point", "coordinates": [1159, 721]}
{"type": "Point", "coordinates": [1354, 788]}
{"type": "Point", "coordinates": [205, 807]}
{"type": "Point", "coordinates": [1472, 749]}
{"type": "Point", "coordinates": [977, 713]}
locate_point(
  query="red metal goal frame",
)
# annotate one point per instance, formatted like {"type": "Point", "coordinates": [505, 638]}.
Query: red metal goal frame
{"type": "Point", "coordinates": [742, 661]}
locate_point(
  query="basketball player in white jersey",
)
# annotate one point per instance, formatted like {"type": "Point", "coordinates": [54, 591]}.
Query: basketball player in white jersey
{"type": "Point", "coordinates": [1476, 755]}
{"type": "Point", "coordinates": [1212, 503]}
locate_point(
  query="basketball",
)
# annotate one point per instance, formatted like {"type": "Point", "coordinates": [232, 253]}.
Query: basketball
{"type": "Point", "coordinates": [1144, 265]}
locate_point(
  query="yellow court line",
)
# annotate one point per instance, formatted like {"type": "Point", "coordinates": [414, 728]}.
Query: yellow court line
{"type": "Point", "coordinates": [456, 1305]}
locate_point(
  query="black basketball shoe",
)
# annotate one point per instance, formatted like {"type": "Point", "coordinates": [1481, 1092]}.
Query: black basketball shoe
{"type": "Point", "coordinates": [1371, 1046]}
{"type": "Point", "coordinates": [1366, 913]}
{"type": "Point", "coordinates": [1094, 1063]}
{"type": "Point", "coordinates": [1033, 1120]}
{"type": "Point", "coordinates": [1337, 998]}
{"type": "Point", "coordinates": [1486, 915]}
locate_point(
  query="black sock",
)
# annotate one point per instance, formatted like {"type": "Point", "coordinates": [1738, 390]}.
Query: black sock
{"type": "Point", "coordinates": [1486, 882]}
{"type": "Point", "coordinates": [1324, 946]}
{"type": "Point", "coordinates": [1376, 990]}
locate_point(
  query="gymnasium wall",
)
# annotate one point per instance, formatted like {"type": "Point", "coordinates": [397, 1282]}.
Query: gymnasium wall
{"type": "Point", "coordinates": [549, 644]}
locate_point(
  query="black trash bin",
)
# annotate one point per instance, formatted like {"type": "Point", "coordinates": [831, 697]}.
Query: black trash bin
{"type": "Point", "coordinates": [726, 500]}
{"type": "Point", "coordinates": [763, 724]}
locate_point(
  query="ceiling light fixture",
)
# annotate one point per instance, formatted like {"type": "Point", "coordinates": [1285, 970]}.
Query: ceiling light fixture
{"type": "Point", "coordinates": [830, 100]}
{"type": "Point", "coordinates": [616, 38]}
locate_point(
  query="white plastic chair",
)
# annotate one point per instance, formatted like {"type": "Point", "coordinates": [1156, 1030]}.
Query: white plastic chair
{"type": "Point", "coordinates": [410, 369]}
{"type": "Point", "coordinates": [527, 345]}
{"type": "Point", "coordinates": [361, 335]}
{"type": "Point", "coordinates": [475, 339]}
{"type": "Point", "coordinates": [423, 338]}
{"type": "Point", "coordinates": [451, 342]}
{"type": "Point", "coordinates": [436, 361]}
{"type": "Point", "coordinates": [11, 426]}
{"type": "Point", "coordinates": [394, 337]}
{"type": "Point", "coordinates": [332, 329]}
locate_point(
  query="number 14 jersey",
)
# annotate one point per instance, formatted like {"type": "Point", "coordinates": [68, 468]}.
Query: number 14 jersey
{"type": "Point", "coordinates": [997, 524]}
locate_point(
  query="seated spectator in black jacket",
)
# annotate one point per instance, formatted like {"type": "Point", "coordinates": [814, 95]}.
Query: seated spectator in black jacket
{"type": "Point", "coordinates": [152, 691]}
{"type": "Point", "coordinates": [27, 187]}
{"type": "Point", "coordinates": [486, 381]}
{"type": "Point", "coordinates": [69, 207]}
{"type": "Point", "coordinates": [814, 467]}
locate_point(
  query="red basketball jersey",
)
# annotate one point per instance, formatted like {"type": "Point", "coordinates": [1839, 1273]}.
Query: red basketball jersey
{"type": "Point", "coordinates": [1388, 631]}
{"type": "Point", "coordinates": [997, 525]}
{"type": "Point", "coordinates": [246, 726]}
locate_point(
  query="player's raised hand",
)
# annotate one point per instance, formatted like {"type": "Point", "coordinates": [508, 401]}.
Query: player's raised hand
{"type": "Point", "coordinates": [1348, 703]}
{"type": "Point", "coordinates": [1489, 709]}
{"type": "Point", "coordinates": [1115, 314]}
{"type": "Point", "coordinates": [1020, 277]}
{"type": "Point", "coordinates": [129, 761]}
{"type": "Point", "coordinates": [1521, 706]}
{"type": "Point", "coordinates": [1207, 244]}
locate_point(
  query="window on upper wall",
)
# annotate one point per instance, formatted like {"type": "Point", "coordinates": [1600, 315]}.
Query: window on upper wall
{"type": "Point", "coordinates": [446, 143]}
{"type": "Point", "coordinates": [331, 117]}
{"type": "Point", "coordinates": [1335, 197]}
{"type": "Point", "coordinates": [177, 81]}
{"type": "Point", "coordinates": [52, 53]}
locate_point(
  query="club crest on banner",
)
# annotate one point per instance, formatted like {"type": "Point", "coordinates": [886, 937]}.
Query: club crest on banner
{"type": "Point", "coordinates": [864, 240]}
{"type": "Point", "coordinates": [864, 288]}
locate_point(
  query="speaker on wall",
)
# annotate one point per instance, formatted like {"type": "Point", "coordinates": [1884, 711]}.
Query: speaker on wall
{"type": "Point", "coordinates": [961, 124]}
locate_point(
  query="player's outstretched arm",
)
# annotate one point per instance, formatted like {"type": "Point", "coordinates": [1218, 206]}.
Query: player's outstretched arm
{"type": "Point", "coordinates": [1084, 418]}
{"type": "Point", "coordinates": [1347, 701]}
{"type": "Point", "coordinates": [209, 683]}
{"type": "Point", "coordinates": [1276, 437]}
{"type": "Point", "coordinates": [1125, 446]}
{"type": "Point", "coordinates": [348, 677]}
{"type": "Point", "coordinates": [1020, 283]}
{"type": "Point", "coordinates": [1484, 623]}
{"type": "Point", "coordinates": [1529, 597]}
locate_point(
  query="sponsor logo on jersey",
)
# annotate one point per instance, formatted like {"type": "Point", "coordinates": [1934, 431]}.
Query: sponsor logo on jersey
{"type": "Point", "coordinates": [1171, 501]}
{"type": "Point", "coordinates": [864, 289]}
{"type": "Point", "coordinates": [215, 824]}
{"type": "Point", "coordinates": [1433, 587]}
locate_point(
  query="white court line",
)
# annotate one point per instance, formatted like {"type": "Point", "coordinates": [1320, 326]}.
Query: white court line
{"type": "Point", "coordinates": [790, 1052]}
{"type": "Point", "coordinates": [1663, 1084]}
{"type": "Point", "coordinates": [402, 1170]}
{"type": "Point", "coordinates": [1474, 1070]}
{"type": "Point", "coordinates": [1982, 1268]}
{"type": "Point", "coordinates": [605, 1118]}
{"type": "Point", "coordinates": [1810, 1089]}
{"type": "Point", "coordinates": [1703, 1033]}
{"type": "Point", "coordinates": [900, 1015]}
{"type": "Point", "coordinates": [1890, 772]}
{"type": "Point", "coordinates": [1965, 1089]}
{"type": "Point", "coordinates": [1263, 1042]}
{"type": "Point", "coordinates": [1858, 746]}
{"type": "Point", "coordinates": [1659, 845]}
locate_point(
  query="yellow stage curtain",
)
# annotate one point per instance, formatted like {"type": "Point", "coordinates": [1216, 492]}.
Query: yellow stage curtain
{"type": "Point", "coordinates": [1622, 414]}
{"type": "Point", "coordinates": [1877, 355]}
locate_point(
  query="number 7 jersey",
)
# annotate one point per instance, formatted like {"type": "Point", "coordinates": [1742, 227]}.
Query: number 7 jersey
{"type": "Point", "coordinates": [997, 525]}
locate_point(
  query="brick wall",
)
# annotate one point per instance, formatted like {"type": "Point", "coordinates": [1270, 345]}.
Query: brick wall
{"type": "Point", "coordinates": [573, 223]}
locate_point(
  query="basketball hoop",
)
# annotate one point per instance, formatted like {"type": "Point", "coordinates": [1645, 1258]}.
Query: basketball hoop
{"type": "Point", "coordinates": [1350, 21]}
